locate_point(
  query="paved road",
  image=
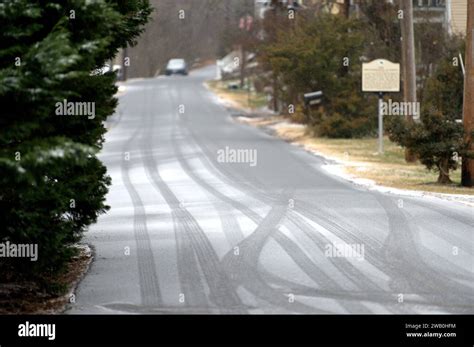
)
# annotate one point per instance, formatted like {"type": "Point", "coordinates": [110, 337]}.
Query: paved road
{"type": "Point", "coordinates": [190, 231]}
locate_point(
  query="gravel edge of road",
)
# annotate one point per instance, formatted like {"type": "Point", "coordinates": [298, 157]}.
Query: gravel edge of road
{"type": "Point", "coordinates": [30, 300]}
{"type": "Point", "coordinates": [87, 252]}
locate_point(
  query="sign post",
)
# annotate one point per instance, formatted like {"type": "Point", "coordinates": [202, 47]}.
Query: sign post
{"type": "Point", "coordinates": [380, 122]}
{"type": "Point", "coordinates": [380, 76]}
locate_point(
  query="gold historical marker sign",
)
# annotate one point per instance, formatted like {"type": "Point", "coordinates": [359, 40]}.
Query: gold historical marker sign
{"type": "Point", "coordinates": [380, 76]}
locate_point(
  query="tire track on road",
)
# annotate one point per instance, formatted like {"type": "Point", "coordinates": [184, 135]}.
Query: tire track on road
{"type": "Point", "coordinates": [314, 272]}
{"type": "Point", "coordinates": [400, 251]}
{"type": "Point", "coordinates": [148, 278]}
{"type": "Point", "coordinates": [189, 272]}
{"type": "Point", "coordinates": [256, 286]}
{"type": "Point", "coordinates": [458, 217]}
{"type": "Point", "coordinates": [229, 223]}
{"type": "Point", "coordinates": [356, 276]}
{"type": "Point", "coordinates": [402, 281]}
{"type": "Point", "coordinates": [348, 234]}
{"type": "Point", "coordinates": [402, 271]}
{"type": "Point", "coordinates": [345, 233]}
{"type": "Point", "coordinates": [222, 294]}
{"type": "Point", "coordinates": [244, 266]}
{"type": "Point", "coordinates": [293, 250]}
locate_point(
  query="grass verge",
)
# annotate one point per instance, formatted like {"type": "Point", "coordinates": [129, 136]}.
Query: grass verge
{"type": "Point", "coordinates": [360, 159]}
{"type": "Point", "coordinates": [238, 98]}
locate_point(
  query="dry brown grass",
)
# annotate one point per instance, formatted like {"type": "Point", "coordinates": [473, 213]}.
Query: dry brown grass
{"type": "Point", "coordinates": [238, 99]}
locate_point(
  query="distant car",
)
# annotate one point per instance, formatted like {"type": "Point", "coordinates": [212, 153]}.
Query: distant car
{"type": "Point", "coordinates": [176, 67]}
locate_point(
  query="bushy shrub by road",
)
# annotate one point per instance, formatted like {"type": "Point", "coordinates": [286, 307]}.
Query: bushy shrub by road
{"type": "Point", "coordinates": [438, 139]}
{"type": "Point", "coordinates": [52, 184]}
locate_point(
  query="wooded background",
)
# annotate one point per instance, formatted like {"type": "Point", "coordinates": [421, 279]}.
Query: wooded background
{"type": "Point", "coordinates": [197, 36]}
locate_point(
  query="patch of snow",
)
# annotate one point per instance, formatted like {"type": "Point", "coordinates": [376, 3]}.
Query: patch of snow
{"type": "Point", "coordinates": [286, 124]}
{"type": "Point", "coordinates": [338, 170]}
{"type": "Point", "coordinates": [245, 119]}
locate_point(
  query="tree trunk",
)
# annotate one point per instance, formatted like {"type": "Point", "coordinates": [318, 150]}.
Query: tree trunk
{"type": "Point", "coordinates": [443, 167]}
{"type": "Point", "coordinates": [275, 97]}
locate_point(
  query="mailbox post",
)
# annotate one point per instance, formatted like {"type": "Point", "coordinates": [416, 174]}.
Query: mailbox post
{"type": "Point", "coordinates": [314, 99]}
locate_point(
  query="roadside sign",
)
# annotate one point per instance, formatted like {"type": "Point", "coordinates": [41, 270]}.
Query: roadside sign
{"type": "Point", "coordinates": [381, 75]}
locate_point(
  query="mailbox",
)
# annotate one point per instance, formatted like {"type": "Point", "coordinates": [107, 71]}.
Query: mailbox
{"type": "Point", "coordinates": [313, 99]}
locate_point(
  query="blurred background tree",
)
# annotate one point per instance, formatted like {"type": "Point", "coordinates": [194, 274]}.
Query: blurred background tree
{"type": "Point", "coordinates": [324, 53]}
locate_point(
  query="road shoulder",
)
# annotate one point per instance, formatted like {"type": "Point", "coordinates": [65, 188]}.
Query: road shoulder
{"type": "Point", "coordinates": [352, 160]}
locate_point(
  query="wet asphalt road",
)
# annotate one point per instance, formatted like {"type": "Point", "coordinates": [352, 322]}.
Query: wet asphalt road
{"type": "Point", "coordinates": [189, 233]}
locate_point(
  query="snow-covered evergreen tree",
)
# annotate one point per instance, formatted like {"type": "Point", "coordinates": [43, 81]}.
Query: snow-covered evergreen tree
{"type": "Point", "coordinates": [53, 186]}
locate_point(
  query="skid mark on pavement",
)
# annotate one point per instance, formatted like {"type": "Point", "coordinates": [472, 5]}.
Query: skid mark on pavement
{"type": "Point", "coordinates": [149, 287]}
{"type": "Point", "coordinates": [401, 252]}
{"type": "Point", "coordinates": [188, 231]}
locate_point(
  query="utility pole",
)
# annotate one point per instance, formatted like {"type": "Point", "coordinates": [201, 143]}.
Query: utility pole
{"type": "Point", "coordinates": [468, 111]}
{"type": "Point", "coordinates": [277, 12]}
{"type": "Point", "coordinates": [243, 63]}
{"type": "Point", "coordinates": [409, 70]}
{"type": "Point", "coordinates": [245, 26]}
